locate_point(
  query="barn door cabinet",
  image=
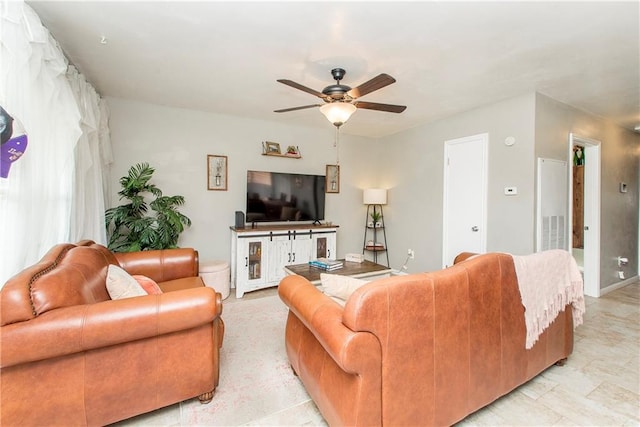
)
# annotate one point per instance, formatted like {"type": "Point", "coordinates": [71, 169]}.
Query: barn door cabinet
{"type": "Point", "coordinates": [259, 255]}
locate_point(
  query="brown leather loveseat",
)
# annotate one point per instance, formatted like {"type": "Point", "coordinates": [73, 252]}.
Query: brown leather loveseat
{"type": "Point", "coordinates": [72, 356]}
{"type": "Point", "coordinates": [422, 349]}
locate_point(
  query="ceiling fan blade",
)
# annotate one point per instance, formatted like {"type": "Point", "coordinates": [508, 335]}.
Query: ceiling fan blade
{"type": "Point", "coordinates": [390, 108]}
{"type": "Point", "coordinates": [284, 110]}
{"type": "Point", "coordinates": [300, 87]}
{"type": "Point", "coordinates": [375, 83]}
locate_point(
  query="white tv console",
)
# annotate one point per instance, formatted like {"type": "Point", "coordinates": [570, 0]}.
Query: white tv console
{"type": "Point", "coordinates": [259, 255]}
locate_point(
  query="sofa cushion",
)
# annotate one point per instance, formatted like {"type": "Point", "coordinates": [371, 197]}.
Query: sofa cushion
{"type": "Point", "coordinates": [340, 287]}
{"type": "Point", "coordinates": [121, 284]}
{"type": "Point", "coordinates": [149, 285]}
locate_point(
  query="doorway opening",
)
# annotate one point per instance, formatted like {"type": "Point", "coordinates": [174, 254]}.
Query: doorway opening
{"type": "Point", "coordinates": [584, 206]}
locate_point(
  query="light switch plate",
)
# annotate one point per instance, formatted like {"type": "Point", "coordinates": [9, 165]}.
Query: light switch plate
{"type": "Point", "coordinates": [623, 187]}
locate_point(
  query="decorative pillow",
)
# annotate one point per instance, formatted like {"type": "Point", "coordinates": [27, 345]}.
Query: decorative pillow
{"type": "Point", "coordinates": [340, 287]}
{"type": "Point", "coordinates": [121, 284]}
{"type": "Point", "coordinates": [148, 284]}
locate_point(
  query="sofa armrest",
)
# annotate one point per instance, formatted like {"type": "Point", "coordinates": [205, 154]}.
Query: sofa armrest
{"type": "Point", "coordinates": [161, 265]}
{"type": "Point", "coordinates": [80, 328]}
{"type": "Point", "coordinates": [462, 256]}
{"type": "Point", "coordinates": [352, 351]}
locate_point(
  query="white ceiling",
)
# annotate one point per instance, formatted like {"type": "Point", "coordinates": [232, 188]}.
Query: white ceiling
{"type": "Point", "coordinates": [447, 57]}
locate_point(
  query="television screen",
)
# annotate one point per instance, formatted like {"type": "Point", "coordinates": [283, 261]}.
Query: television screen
{"type": "Point", "coordinates": [276, 196]}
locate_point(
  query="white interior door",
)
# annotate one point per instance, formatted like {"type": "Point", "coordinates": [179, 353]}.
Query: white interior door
{"type": "Point", "coordinates": [465, 197]}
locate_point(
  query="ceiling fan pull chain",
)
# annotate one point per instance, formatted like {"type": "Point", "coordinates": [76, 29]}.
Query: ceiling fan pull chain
{"type": "Point", "coordinates": [336, 144]}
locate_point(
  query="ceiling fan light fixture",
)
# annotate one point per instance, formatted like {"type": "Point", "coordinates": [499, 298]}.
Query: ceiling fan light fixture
{"type": "Point", "coordinates": [338, 112]}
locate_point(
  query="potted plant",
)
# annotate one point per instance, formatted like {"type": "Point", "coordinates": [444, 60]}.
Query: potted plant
{"type": "Point", "coordinates": [376, 217]}
{"type": "Point", "coordinates": [132, 226]}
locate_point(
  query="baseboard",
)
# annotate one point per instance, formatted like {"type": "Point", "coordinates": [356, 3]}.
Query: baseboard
{"type": "Point", "coordinates": [618, 285]}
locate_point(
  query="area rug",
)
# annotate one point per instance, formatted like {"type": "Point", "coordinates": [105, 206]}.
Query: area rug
{"type": "Point", "coordinates": [256, 379]}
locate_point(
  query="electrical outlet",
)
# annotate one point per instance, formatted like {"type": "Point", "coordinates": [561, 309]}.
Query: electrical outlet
{"type": "Point", "coordinates": [411, 253]}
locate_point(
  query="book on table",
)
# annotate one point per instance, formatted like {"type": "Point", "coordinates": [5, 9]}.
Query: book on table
{"type": "Point", "coordinates": [326, 264]}
{"type": "Point", "coordinates": [327, 268]}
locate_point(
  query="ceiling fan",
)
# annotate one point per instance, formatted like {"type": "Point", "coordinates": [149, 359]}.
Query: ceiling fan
{"type": "Point", "coordinates": [340, 101]}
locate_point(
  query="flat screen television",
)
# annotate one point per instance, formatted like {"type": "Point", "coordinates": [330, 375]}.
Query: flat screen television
{"type": "Point", "coordinates": [278, 196]}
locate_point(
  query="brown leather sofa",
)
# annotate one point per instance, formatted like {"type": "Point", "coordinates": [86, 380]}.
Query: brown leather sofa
{"type": "Point", "coordinates": [72, 356]}
{"type": "Point", "coordinates": [421, 349]}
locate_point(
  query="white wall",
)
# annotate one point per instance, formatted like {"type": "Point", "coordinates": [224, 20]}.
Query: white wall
{"type": "Point", "coordinates": [411, 166]}
{"type": "Point", "coordinates": [176, 142]}
{"type": "Point", "coordinates": [620, 154]}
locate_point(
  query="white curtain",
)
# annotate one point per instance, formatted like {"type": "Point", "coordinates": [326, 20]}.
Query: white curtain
{"type": "Point", "coordinates": [54, 192]}
{"type": "Point", "coordinates": [87, 213]}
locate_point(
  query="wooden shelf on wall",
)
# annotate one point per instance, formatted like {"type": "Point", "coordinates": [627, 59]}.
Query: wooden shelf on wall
{"type": "Point", "coordinates": [291, 156]}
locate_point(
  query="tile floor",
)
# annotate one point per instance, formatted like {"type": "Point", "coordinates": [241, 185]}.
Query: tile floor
{"type": "Point", "coordinates": [599, 385]}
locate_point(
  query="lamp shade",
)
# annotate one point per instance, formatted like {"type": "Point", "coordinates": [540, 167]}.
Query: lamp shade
{"type": "Point", "coordinates": [375, 196]}
{"type": "Point", "coordinates": [338, 112]}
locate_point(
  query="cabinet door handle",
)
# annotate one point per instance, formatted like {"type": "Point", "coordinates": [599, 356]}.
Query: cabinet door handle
{"type": "Point", "coordinates": [289, 257]}
{"type": "Point", "coordinates": [329, 253]}
{"type": "Point", "coordinates": [246, 261]}
{"type": "Point", "coordinates": [294, 257]}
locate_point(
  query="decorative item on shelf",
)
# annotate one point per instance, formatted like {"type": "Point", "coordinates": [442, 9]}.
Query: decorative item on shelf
{"type": "Point", "coordinates": [293, 151]}
{"type": "Point", "coordinates": [273, 149]}
{"type": "Point", "coordinates": [216, 172]}
{"type": "Point", "coordinates": [374, 198]}
{"type": "Point", "coordinates": [270, 148]}
{"type": "Point", "coordinates": [332, 184]}
{"type": "Point", "coordinates": [374, 246]}
{"type": "Point", "coordinates": [350, 257]}
{"type": "Point", "coordinates": [376, 217]}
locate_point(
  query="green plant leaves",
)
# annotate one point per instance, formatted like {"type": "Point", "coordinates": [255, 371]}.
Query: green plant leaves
{"type": "Point", "coordinates": [133, 226]}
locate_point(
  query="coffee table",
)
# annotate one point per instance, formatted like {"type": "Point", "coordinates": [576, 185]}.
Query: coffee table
{"type": "Point", "coordinates": [362, 270]}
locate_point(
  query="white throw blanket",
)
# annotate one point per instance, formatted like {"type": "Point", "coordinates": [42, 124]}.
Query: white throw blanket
{"type": "Point", "coordinates": [548, 281]}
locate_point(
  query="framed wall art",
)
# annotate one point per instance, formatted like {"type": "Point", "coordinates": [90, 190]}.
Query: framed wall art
{"type": "Point", "coordinates": [332, 184]}
{"type": "Point", "coordinates": [272, 148]}
{"type": "Point", "coordinates": [217, 172]}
